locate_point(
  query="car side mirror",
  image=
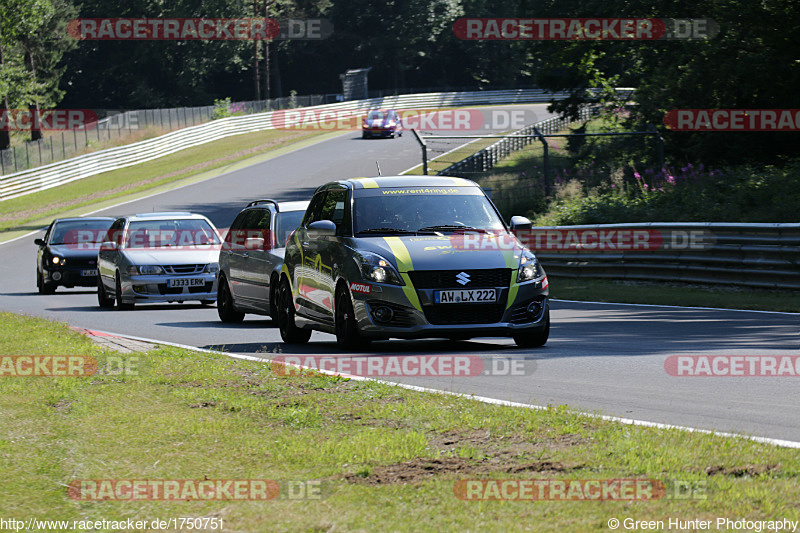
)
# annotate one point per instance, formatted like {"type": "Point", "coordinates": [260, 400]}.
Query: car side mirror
{"type": "Point", "coordinates": [39, 242]}
{"type": "Point", "coordinates": [518, 222]}
{"type": "Point", "coordinates": [321, 228]}
{"type": "Point", "coordinates": [108, 246]}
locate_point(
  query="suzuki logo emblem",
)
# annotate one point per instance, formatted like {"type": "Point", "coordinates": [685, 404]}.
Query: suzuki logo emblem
{"type": "Point", "coordinates": [462, 278]}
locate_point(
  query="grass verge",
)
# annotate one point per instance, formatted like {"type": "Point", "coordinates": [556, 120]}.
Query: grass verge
{"type": "Point", "coordinates": [680, 294]}
{"type": "Point", "coordinates": [388, 457]}
{"type": "Point", "coordinates": [21, 213]}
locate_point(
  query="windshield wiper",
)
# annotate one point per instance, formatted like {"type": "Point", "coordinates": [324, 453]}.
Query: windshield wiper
{"type": "Point", "coordinates": [385, 230]}
{"type": "Point", "coordinates": [451, 227]}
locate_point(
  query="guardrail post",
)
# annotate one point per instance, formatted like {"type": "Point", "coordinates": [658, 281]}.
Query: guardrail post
{"type": "Point", "coordinates": [424, 147]}
{"type": "Point", "coordinates": [546, 164]}
{"type": "Point", "coordinates": [660, 141]}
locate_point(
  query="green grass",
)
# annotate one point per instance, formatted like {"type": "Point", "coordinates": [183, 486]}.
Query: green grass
{"type": "Point", "coordinates": [680, 294]}
{"type": "Point", "coordinates": [22, 212]}
{"type": "Point", "coordinates": [388, 458]}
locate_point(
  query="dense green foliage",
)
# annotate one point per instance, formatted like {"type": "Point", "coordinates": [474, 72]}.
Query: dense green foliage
{"type": "Point", "coordinates": [752, 63]}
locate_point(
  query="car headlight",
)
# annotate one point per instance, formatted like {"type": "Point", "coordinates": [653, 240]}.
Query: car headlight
{"type": "Point", "coordinates": [211, 268]}
{"type": "Point", "coordinates": [376, 268]}
{"type": "Point", "coordinates": [528, 267]}
{"type": "Point", "coordinates": [146, 270]}
{"type": "Point", "coordinates": [58, 260]}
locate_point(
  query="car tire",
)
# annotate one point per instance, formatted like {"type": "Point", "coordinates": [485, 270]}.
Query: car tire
{"type": "Point", "coordinates": [364, 135]}
{"type": "Point", "coordinates": [44, 288]}
{"type": "Point", "coordinates": [347, 335]}
{"type": "Point", "coordinates": [122, 306]}
{"type": "Point", "coordinates": [103, 299]}
{"type": "Point", "coordinates": [290, 333]}
{"type": "Point", "coordinates": [227, 313]}
{"type": "Point", "coordinates": [537, 337]}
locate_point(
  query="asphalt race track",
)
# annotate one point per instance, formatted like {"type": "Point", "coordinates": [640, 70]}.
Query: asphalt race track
{"type": "Point", "coordinates": [606, 358]}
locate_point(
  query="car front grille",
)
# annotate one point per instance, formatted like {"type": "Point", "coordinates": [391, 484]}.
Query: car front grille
{"type": "Point", "coordinates": [449, 279]}
{"type": "Point", "coordinates": [449, 314]}
{"type": "Point", "coordinates": [184, 269]}
{"type": "Point", "coordinates": [207, 287]}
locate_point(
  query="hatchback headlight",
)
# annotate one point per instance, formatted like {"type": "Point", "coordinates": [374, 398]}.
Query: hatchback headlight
{"type": "Point", "coordinates": [376, 268]}
{"type": "Point", "coordinates": [528, 267]}
{"type": "Point", "coordinates": [211, 268]}
{"type": "Point", "coordinates": [147, 270]}
{"type": "Point", "coordinates": [58, 260]}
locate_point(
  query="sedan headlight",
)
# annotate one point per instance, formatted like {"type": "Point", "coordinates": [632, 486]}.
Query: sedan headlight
{"type": "Point", "coordinates": [211, 268]}
{"type": "Point", "coordinates": [528, 267]}
{"type": "Point", "coordinates": [146, 270]}
{"type": "Point", "coordinates": [58, 260]}
{"type": "Point", "coordinates": [376, 268]}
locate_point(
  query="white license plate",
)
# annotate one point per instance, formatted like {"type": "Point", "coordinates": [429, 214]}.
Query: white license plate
{"type": "Point", "coordinates": [465, 296]}
{"type": "Point", "coordinates": [88, 272]}
{"type": "Point", "coordinates": [186, 282]}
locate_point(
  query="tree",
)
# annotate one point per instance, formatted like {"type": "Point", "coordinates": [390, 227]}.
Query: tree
{"type": "Point", "coordinates": [20, 20]}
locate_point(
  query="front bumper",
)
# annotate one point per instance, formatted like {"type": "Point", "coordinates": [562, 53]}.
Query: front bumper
{"type": "Point", "coordinates": [71, 276]}
{"type": "Point", "coordinates": [526, 312]}
{"type": "Point", "coordinates": [381, 132]}
{"type": "Point", "coordinates": [154, 289]}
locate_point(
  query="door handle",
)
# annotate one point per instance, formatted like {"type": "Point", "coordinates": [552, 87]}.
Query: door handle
{"type": "Point", "coordinates": [245, 254]}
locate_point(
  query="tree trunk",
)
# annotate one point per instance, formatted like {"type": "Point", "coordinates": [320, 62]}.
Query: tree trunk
{"type": "Point", "coordinates": [256, 47]}
{"type": "Point", "coordinates": [5, 135]}
{"type": "Point", "coordinates": [36, 131]}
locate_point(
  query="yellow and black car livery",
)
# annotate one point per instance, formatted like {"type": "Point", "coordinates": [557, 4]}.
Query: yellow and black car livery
{"type": "Point", "coordinates": [410, 257]}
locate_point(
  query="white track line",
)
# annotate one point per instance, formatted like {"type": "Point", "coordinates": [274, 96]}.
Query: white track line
{"type": "Point", "coordinates": [484, 399]}
{"type": "Point", "coordinates": [680, 307]}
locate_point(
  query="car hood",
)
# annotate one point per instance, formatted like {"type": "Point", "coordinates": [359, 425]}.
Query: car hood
{"type": "Point", "coordinates": [86, 250]}
{"type": "Point", "coordinates": [172, 256]}
{"type": "Point", "coordinates": [439, 253]}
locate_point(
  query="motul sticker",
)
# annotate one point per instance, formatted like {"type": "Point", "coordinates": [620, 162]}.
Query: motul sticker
{"type": "Point", "coordinates": [363, 288]}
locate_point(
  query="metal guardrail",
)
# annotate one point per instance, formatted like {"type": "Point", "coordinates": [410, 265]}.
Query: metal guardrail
{"type": "Point", "coordinates": [488, 157]}
{"type": "Point", "coordinates": [746, 255]}
{"type": "Point", "coordinates": [54, 174]}
{"type": "Point", "coordinates": [59, 146]}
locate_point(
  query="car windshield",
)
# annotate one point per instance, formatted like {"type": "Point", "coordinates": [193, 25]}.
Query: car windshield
{"type": "Point", "coordinates": [413, 209]}
{"type": "Point", "coordinates": [376, 115]}
{"type": "Point", "coordinates": [80, 231]}
{"type": "Point", "coordinates": [166, 233]}
{"type": "Point", "coordinates": [285, 224]}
